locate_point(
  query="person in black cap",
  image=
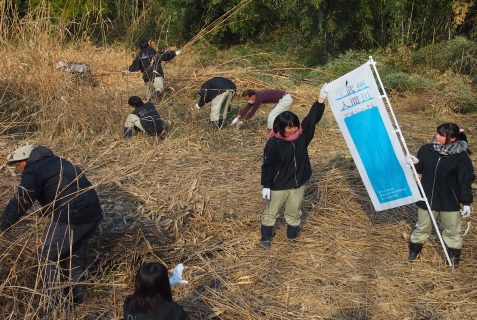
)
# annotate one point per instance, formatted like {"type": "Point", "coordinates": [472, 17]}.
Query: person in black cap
{"type": "Point", "coordinates": [69, 199]}
{"type": "Point", "coordinates": [149, 62]}
{"type": "Point", "coordinates": [144, 118]}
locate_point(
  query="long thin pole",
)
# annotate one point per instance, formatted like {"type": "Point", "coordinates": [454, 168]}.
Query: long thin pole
{"type": "Point", "coordinates": [397, 129]}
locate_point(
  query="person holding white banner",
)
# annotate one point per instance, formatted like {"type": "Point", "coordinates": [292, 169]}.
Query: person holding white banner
{"type": "Point", "coordinates": [286, 168]}
{"type": "Point", "coordinates": [446, 177]}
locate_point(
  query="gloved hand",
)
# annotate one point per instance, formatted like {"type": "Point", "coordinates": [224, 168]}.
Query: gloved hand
{"type": "Point", "coordinates": [324, 91]}
{"type": "Point", "coordinates": [127, 72]}
{"type": "Point", "coordinates": [239, 123]}
{"type": "Point", "coordinates": [266, 193]}
{"type": "Point", "coordinates": [197, 106]}
{"type": "Point", "coordinates": [176, 278]}
{"type": "Point", "coordinates": [178, 52]}
{"type": "Point", "coordinates": [411, 159]}
{"type": "Point", "coordinates": [234, 121]}
{"type": "Point", "coordinates": [465, 213]}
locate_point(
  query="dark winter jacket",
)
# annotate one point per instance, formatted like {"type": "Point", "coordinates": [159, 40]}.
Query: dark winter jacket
{"type": "Point", "coordinates": [61, 189]}
{"type": "Point", "coordinates": [149, 62]}
{"type": "Point", "coordinates": [446, 180]}
{"type": "Point", "coordinates": [168, 310]}
{"type": "Point", "coordinates": [286, 164]}
{"type": "Point", "coordinates": [213, 87]}
{"type": "Point", "coordinates": [150, 120]}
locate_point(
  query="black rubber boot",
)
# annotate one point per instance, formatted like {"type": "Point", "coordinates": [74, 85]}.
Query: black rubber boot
{"type": "Point", "coordinates": [155, 95]}
{"type": "Point", "coordinates": [266, 239]}
{"type": "Point", "coordinates": [127, 133]}
{"type": "Point", "coordinates": [454, 255]}
{"type": "Point", "coordinates": [292, 232]}
{"type": "Point", "coordinates": [217, 124]}
{"type": "Point", "coordinates": [414, 250]}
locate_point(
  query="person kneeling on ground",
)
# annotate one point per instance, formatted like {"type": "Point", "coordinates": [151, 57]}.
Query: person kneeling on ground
{"type": "Point", "coordinates": [286, 168]}
{"type": "Point", "coordinates": [144, 118]}
{"type": "Point", "coordinates": [152, 297]}
{"type": "Point", "coordinates": [65, 195]}
{"type": "Point", "coordinates": [219, 91]}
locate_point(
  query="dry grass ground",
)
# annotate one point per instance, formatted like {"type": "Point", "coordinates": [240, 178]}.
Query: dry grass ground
{"type": "Point", "coordinates": [194, 198]}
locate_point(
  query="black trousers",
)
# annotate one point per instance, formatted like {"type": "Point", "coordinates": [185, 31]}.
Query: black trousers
{"type": "Point", "coordinates": [62, 258]}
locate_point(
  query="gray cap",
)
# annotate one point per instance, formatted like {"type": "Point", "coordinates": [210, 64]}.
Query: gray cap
{"type": "Point", "coordinates": [20, 154]}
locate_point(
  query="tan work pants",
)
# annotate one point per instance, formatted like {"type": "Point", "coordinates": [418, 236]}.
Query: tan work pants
{"type": "Point", "coordinates": [450, 221]}
{"type": "Point", "coordinates": [292, 198]}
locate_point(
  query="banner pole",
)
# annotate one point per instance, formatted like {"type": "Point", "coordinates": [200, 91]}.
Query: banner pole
{"type": "Point", "coordinates": [397, 129]}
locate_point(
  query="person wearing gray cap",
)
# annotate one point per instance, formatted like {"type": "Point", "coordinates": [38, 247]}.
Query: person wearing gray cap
{"type": "Point", "coordinates": [68, 198]}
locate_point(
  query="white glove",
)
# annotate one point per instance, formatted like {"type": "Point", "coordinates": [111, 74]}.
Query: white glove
{"type": "Point", "coordinates": [266, 193]}
{"type": "Point", "coordinates": [127, 72]}
{"type": "Point", "coordinates": [176, 278]}
{"type": "Point", "coordinates": [410, 159]}
{"type": "Point", "coordinates": [197, 106]}
{"type": "Point", "coordinates": [178, 52]}
{"type": "Point", "coordinates": [234, 121]}
{"type": "Point", "coordinates": [239, 123]}
{"type": "Point", "coordinates": [465, 213]}
{"type": "Point", "coordinates": [324, 91]}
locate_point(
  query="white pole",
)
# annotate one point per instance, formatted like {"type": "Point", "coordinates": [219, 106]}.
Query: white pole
{"type": "Point", "coordinates": [397, 129]}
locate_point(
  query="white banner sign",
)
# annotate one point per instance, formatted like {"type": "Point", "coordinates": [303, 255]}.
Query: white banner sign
{"type": "Point", "coordinates": [361, 115]}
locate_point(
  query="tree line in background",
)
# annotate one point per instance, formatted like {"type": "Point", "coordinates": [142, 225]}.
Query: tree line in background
{"type": "Point", "coordinates": [314, 30]}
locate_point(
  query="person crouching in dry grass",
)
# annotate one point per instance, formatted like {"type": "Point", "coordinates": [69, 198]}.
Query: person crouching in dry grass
{"type": "Point", "coordinates": [72, 205]}
{"type": "Point", "coordinates": [76, 71]}
{"type": "Point", "coordinates": [144, 118]}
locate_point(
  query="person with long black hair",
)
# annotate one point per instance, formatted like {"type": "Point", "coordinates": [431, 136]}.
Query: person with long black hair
{"type": "Point", "coordinates": [152, 297]}
{"type": "Point", "coordinates": [446, 177]}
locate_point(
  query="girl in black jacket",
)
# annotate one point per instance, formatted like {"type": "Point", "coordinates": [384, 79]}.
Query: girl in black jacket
{"type": "Point", "coordinates": [286, 168]}
{"type": "Point", "coordinates": [446, 177]}
{"type": "Point", "coordinates": [152, 298]}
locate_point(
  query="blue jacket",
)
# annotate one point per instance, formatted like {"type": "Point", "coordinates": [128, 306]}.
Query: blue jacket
{"type": "Point", "coordinates": [61, 189]}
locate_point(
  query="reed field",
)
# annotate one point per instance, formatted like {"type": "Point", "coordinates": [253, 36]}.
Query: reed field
{"type": "Point", "coordinates": [194, 196]}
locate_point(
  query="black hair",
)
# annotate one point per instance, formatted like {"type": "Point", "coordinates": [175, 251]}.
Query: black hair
{"type": "Point", "coordinates": [451, 130]}
{"type": "Point", "coordinates": [283, 120]}
{"type": "Point", "coordinates": [143, 44]}
{"type": "Point", "coordinates": [248, 93]}
{"type": "Point", "coordinates": [151, 287]}
{"type": "Point", "coordinates": [135, 101]}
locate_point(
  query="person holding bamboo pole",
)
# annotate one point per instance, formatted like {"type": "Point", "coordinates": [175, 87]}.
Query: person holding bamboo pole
{"type": "Point", "coordinates": [286, 168]}
{"type": "Point", "coordinates": [74, 211]}
{"type": "Point", "coordinates": [447, 174]}
{"type": "Point", "coordinates": [148, 61]}
{"type": "Point", "coordinates": [255, 99]}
